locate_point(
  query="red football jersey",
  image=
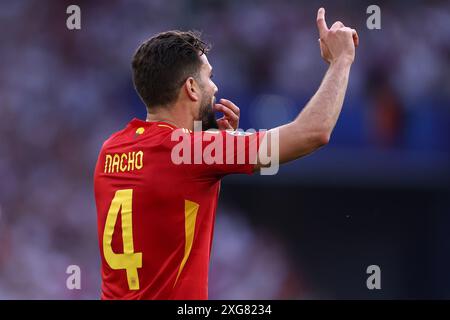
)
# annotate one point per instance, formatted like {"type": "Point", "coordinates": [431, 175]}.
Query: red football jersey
{"type": "Point", "coordinates": [156, 215]}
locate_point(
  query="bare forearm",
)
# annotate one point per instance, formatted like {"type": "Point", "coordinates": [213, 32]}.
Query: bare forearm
{"type": "Point", "coordinates": [315, 123]}
{"type": "Point", "coordinates": [322, 111]}
{"type": "Point", "coordinates": [313, 126]}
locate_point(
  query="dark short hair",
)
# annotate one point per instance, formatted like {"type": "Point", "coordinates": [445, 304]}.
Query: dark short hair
{"type": "Point", "coordinates": [164, 62]}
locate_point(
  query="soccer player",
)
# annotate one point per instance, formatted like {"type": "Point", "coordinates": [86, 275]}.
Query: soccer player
{"type": "Point", "coordinates": [156, 212]}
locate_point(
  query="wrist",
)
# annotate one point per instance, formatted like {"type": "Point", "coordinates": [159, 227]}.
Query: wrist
{"type": "Point", "coordinates": [344, 61]}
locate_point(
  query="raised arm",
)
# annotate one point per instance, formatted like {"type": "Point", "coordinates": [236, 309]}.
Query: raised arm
{"type": "Point", "coordinates": [313, 126]}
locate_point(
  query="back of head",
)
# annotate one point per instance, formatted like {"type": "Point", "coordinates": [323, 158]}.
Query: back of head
{"type": "Point", "coordinates": [163, 63]}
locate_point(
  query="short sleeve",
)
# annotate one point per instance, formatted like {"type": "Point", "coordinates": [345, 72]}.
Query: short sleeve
{"type": "Point", "coordinates": [216, 154]}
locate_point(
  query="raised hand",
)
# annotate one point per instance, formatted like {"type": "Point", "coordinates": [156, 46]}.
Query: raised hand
{"type": "Point", "coordinates": [338, 42]}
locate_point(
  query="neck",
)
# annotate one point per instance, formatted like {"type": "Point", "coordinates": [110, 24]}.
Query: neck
{"type": "Point", "coordinates": [171, 116]}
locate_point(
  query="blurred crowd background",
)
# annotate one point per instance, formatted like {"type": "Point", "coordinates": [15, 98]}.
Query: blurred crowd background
{"type": "Point", "coordinates": [377, 194]}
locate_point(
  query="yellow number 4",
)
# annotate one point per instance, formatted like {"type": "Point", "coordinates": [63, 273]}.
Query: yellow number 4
{"type": "Point", "coordinates": [128, 260]}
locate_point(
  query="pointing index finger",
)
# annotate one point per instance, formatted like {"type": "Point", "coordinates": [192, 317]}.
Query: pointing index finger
{"type": "Point", "coordinates": [321, 24]}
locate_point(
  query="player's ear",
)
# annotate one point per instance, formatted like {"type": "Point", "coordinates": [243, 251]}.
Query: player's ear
{"type": "Point", "coordinates": [192, 89]}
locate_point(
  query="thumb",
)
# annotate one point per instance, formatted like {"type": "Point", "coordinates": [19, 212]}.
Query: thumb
{"type": "Point", "coordinates": [321, 23]}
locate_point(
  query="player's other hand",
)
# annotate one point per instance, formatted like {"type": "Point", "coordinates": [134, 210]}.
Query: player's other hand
{"type": "Point", "coordinates": [338, 42]}
{"type": "Point", "coordinates": [231, 112]}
